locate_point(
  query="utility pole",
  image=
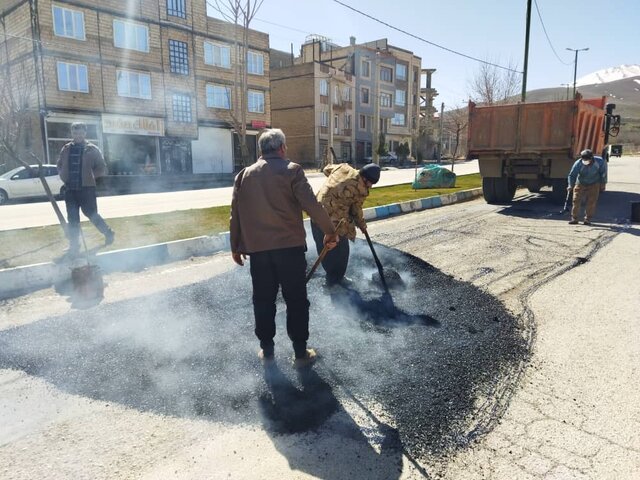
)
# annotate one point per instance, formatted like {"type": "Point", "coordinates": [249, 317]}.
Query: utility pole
{"type": "Point", "coordinates": [575, 66]}
{"type": "Point", "coordinates": [376, 115]}
{"type": "Point", "coordinates": [526, 53]}
{"type": "Point", "coordinates": [441, 125]}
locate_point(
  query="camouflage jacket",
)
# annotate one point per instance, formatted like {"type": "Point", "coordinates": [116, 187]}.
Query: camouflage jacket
{"type": "Point", "coordinates": [342, 196]}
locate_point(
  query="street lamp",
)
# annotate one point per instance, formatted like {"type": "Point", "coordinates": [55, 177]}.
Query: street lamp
{"type": "Point", "coordinates": [575, 66]}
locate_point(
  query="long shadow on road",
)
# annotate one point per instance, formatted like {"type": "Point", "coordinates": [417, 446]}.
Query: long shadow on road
{"type": "Point", "coordinates": [190, 352]}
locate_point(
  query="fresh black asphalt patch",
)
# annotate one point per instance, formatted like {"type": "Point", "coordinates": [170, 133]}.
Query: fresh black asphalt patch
{"type": "Point", "coordinates": [425, 360]}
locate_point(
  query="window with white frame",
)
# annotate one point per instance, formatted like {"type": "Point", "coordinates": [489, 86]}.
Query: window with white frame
{"type": "Point", "coordinates": [362, 122]}
{"type": "Point", "coordinates": [324, 87]}
{"type": "Point", "coordinates": [256, 101]}
{"type": "Point", "coordinates": [68, 23]}
{"type": "Point", "coordinates": [385, 99]}
{"type": "Point", "coordinates": [336, 123]}
{"type": "Point", "coordinates": [181, 108]}
{"type": "Point", "coordinates": [347, 121]}
{"type": "Point", "coordinates": [336, 95]}
{"type": "Point", "coordinates": [398, 119]}
{"type": "Point", "coordinates": [217, 54]}
{"type": "Point", "coordinates": [219, 96]}
{"type": "Point", "coordinates": [129, 35]}
{"type": "Point", "coordinates": [73, 77]}
{"type": "Point", "coordinates": [255, 63]}
{"type": "Point", "coordinates": [401, 71]}
{"type": "Point", "coordinates": [386, 74]}
{"type": "Point", "coordinates": [364, 95]}
{"type": "Point", "coordinates": [324, 119]}
{"type": "Point", "coordinates": [346, 93]}
{"type": "Point", "coordinates": [177, 8]}
{"type": "Point", "coordinates": [401, 98]}
{"type": "Point", "coordinates": [365, 68]}
{"type": "Point", "coordinates": [133, 84]}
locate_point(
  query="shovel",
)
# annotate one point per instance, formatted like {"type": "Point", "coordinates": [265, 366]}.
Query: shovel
{"type": "Point", "coordinates": [378, 264]}
{"type": "Point", "coordinates": [566, 201]}
{"type": "Point", "coordinates": [323, 254]}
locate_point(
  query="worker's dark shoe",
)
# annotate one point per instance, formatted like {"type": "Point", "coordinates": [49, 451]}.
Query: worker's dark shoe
{"type": "Point", "coordinates": [306, 361]}
{"type": "Point", "coordinates": [586, 222]}
{"type": "Point", "coordinates": [109, 237]}
{"type": "Point", "coordinates": [266, 359]}
{"type": "Point", "coordinates": [573, 222]}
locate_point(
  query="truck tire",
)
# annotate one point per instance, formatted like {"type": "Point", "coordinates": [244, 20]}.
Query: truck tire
{"type": "Point", "coordinates": [559, 190]}
{"type": "Point", "coordinates": [489, 189]}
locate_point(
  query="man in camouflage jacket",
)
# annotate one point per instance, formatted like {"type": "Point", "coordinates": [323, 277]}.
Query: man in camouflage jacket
{"type": "Point", "coordinates": [342, 196]}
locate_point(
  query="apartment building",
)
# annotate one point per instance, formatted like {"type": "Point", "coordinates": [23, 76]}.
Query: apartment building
{"type": "Point", "coordinates": [387, 89]}
{"type": "Point", "coordinates": [154, 80]}
{"type": "Point", "coordinates": [313, 104]}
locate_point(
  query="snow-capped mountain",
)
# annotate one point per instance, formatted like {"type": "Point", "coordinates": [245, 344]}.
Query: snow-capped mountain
{"type": "Point", "coordinates": [610, 75]}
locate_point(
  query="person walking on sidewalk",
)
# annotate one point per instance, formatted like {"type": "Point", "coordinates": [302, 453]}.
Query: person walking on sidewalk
{"type": "Point", "coordinates": [587, 178]}
{"type": "Point", "coordinates": [342, 195]}
{"type": "Point", "coordinates": [79, 165]}
{"type": "Point", "coordinates": [266, 224]}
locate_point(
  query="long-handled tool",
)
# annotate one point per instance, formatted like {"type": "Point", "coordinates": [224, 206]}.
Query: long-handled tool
{"type": "Point", "coordinates": [323, 254]}
{"type": "Point", "coordinates": [378, 264]}
{"type": "Point", "coordinates": [566, 201]}
{"type": "Point", "coordinates": [87, 280]}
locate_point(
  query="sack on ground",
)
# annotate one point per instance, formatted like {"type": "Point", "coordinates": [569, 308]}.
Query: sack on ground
{"type": "Point", "coordinates": [434, 176]}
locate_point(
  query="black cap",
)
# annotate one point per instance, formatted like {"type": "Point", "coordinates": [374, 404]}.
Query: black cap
{"type": "Point", "coordinates": [371, 172]}
{"type": "Point", "coordinates": [586, 154]}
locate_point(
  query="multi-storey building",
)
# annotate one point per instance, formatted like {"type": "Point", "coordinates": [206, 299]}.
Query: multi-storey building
{"type": "Point", "coordinates": [387, 89]}
{"type": "Point", "coordinates": [313, 103]}
{"type": "Point", "coordinates": [154, 80]}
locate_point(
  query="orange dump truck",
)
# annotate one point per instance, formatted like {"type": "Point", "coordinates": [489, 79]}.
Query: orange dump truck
{"type": "Point", "coordinates": [534, 144]}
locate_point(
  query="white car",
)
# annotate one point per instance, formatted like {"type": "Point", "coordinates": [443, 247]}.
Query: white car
{"type": "Point", "coordinates": [22, 182]}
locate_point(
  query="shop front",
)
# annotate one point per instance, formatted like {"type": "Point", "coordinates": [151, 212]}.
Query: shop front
{"type": "Point", "coordinates": [58, 132]}
{"type": "Point", "coordinates": [131, 144]}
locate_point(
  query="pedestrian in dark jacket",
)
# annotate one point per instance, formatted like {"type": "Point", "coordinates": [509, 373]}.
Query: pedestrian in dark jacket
{"type": "Point", "coordinates": [266, 224]}
{"type": "Point", "coordinates": [587, 178]}
{"type": "Point", "coordinates": [79, 165]}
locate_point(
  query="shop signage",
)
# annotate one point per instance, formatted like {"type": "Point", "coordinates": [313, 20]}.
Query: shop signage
{"type": "Point", "coordinates": [129, 125]}
{"type": "Point", "coordinates": [258, 124]}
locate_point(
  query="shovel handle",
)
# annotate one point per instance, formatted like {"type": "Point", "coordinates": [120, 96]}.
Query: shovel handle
{"type": "Point", "coordinates": [323, 254]}
{"type": "Point", "coordinates": [377, 260]}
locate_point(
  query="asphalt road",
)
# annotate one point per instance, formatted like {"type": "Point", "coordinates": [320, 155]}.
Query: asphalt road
{"type": "Point", "coordinates": [512, 353]}
{"type": "Point", "coordinates": [34, 214]}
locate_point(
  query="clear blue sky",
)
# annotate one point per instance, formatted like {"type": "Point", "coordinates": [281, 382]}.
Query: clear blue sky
{"type": "Point", "coordinates": [485, 29]}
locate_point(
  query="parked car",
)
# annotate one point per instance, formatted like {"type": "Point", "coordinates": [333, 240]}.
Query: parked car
{"type": "Point", "coordinates": [388, 159]}
{"type": "Point", "coordinates": [23, 182]}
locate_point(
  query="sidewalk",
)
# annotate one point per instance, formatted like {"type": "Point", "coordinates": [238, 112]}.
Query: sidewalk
{"type": "Point", "coordinates": [20, 280]}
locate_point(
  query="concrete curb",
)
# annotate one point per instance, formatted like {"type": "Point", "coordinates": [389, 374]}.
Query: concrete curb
{"type": "Point", "coordinates": [20, 280]}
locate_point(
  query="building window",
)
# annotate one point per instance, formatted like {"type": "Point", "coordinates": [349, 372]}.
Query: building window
{"type": "Point", "coordinates": [336, 95]}
{"type": "Point", "coordinates": [130, 36]}
{"type": "Point", "coordinates": [364, 95]}
{"type": "Point", "coordinates": [385, 99]}
{"type": "Point", "coordinates": [324, 87]}
{"type": "Point", "coordinates": [178, 57]}
{"type": "Point", "coordinates": [324, 119]}
{"type": "Point", "coordinates": [217, 55]}
{"type": "Point", "coordinates": [177, 8]}
{"type": "Point", "coordinates": [386, 74]}
{"type": "Point", "coordinates": [255, 63]}
{"type": "Point", "coordinates": [256, 101]}
{"type": "Point", "coordinates": [68, 23]}
{"type": "Point", "coordinates": [181, 108]}
{"type": "Point", "coordinates": [401, 71]}
{"type": "Point", "coordinates": [398, 119]}
{"type": "Point", "coordinates": [401, 98]}
{"type": "Point", "coordinates": [72, 77]}
{"type": "Point", "coordinates": [133, 84]}
{"type": "Point", "coordinates": [219, 96]}
{"type": "Point", "coordinates": [346, 94]}
{"type": "Point", "coordinates": [336, 124]}
{"type": "Point", "coordinates": [347, 121]}
{"type": "Point", "coordinates": [365, 68]}
{"type": "Point", "coordinates": [362, 122]}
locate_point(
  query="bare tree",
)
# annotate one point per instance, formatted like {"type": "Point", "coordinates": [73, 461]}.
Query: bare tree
{"type": "Point", "coordinates": [494, 85]}
{"type": "Point", "coordinates": [17, 88]}
{"type": "Point", "coordinates": [240, 13]}
{"type": "Point", "coordinates": [456, 121]}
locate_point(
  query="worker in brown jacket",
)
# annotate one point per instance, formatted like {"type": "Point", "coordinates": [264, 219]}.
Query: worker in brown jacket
{"type": "Point", "coordinates": [266, 224]}
{"type": "Point", "coordinates": [342, 195]}
{"type": "Point", "coordinates": [79, 165]}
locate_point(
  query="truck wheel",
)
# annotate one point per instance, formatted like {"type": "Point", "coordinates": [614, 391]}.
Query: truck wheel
{"type": "Point", "coordinates": [489, 189]}
{"type": "Point", "coordinates": [505, 189]}
{"type": "Point", "coordinates": [558, 190]}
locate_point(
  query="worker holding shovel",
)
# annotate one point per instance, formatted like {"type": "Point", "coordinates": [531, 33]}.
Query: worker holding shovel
{"type": "Point", "coordinates": [342, 195]}
{"type": "Point", "coordinates": [587, 178]}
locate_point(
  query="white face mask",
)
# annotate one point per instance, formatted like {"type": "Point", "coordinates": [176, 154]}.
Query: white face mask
{"type": "Point", "coordinates": [586, 162]}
